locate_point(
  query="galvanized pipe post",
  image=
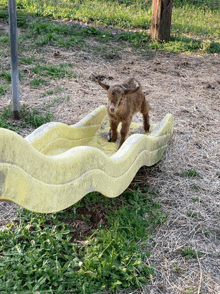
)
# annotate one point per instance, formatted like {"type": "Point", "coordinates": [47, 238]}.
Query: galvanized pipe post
{"type": "Point", "coordinates": [14, 58]}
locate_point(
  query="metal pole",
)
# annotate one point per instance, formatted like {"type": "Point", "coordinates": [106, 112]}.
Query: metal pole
{"type": "Point", "coordinates": [14, 58]}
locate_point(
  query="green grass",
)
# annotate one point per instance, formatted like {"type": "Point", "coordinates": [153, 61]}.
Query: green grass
{"type": "Point", "coordinates": [51, 33]}
{"type": "Point", "coordinates": [177, 269]}
{"type": "Point", "coordinates": [29, 117]}
{"type": "Point", "coordinates": [44, 73]}
{"type": "Point", "coordinates": [56, 101]}
{"type": "Point", "coordinates": [38, 82]}
{"type": "Point", "coordinates": [189, 253]}
{"type": "Point", "coordinates": [196, 187]}
{"type": "Point", "coordinates": [4, 116]}
{"type": "Point", "coordinates": [6, 75]}
{"type": "Point", "coordinates": [196, 199]}
{"type": "Point", "coordinates": [51, 92]}
{"type": "Point", "coordinates": [4, 124]}
{"type": "Point", "coordinates": [38, 253]}
{"type": "Point", "coordinates": [5, 39]}
{"type": "Point", "coordinates": [33, 117]}
{"type": "Point", "coordinates": [195, 27]}
{"type": "Point", "coordinates": [191, 214]}
{"type": "Point", "coordinates": [190, 173]}
{"type": "Point", "coordinates": [55, 71]}
{"type": "Point", "coordinates": [3, 89]}
{"type": "Point", "coordinates": [27, 60]}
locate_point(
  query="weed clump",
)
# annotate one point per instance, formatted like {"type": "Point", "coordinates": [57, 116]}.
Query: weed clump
{"type": "Point", "coordinates": [190, 253]}
{"type": "Point", "coordinates": [190, 173]}
{"type": "Point", "coordinates": [28, 117]}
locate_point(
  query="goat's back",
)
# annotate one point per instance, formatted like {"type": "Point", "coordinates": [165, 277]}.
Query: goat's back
{"type": "Point", "coordinates": [134, 100]}
{"type": "Point", "coordinates": [131, 83]}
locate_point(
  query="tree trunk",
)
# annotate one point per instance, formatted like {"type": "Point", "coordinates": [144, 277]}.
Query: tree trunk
{"type": "Point", "coordinates": [161, 19]}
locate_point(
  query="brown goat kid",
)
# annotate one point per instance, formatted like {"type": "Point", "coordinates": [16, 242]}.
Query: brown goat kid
{"type": "Point", "coordinates": [125, 100]}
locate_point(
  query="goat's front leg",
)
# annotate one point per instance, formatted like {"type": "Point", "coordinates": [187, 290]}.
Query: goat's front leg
{"type": "Point", "coordinates": [124, 131]}
{"type": "Point", "coordinates": [113, 134]}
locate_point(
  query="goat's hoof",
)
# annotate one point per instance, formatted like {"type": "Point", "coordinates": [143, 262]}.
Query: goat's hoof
{"type": "Point", "coordinates": [147, 128]}
{"type": "Point", "coordinates": [111, 138]}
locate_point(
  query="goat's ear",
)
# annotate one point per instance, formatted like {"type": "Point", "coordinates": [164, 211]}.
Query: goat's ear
{"type": "Point", "coordinates": [130, 91]}
{"type": "Point", "coordinates": [106, 87]}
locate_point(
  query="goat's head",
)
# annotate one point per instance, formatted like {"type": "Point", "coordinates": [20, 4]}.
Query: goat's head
{"type": "Point", "coordinates": [117, 94]}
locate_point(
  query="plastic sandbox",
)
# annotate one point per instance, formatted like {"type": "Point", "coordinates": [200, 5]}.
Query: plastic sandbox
{"type": "Point", "coordinates": [56, 165]}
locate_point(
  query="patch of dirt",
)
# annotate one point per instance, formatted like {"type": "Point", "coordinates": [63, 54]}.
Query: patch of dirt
{"type": "Point", "coordinates": [88, 219]}
{"type": "Point", "coordinates": [188, 87]}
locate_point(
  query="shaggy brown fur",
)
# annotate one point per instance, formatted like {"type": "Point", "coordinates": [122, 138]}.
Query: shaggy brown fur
{"type": "Point", "coordinates": [125, 100]}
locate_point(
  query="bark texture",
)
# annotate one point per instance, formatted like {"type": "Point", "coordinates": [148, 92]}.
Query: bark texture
{"type": "Point", "coordinates": [161, 19]}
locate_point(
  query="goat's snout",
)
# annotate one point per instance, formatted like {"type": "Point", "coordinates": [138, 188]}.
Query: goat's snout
{"type": "Point", "coordinates": [112, 108]}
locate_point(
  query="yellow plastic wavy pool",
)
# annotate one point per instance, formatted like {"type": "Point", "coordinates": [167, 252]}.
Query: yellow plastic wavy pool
{"type": "Point", "coordinates": [56, 165]}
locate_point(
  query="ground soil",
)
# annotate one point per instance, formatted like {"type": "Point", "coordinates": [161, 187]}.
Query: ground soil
{"type": "Point", "coordinates": [188, 86]}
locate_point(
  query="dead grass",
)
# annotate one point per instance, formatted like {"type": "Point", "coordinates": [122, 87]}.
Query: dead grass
{"type": "Point", "coordinates": [189, 88]}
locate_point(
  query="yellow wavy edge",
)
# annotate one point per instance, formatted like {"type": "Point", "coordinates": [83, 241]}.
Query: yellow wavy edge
{"type": "Point", "coordinates": [46, 184]}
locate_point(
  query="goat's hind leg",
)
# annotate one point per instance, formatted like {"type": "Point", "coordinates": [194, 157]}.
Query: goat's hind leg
{"type": "Point", "coordinates": [145, 112]}
{"type": "Point", "coordinates": [146, 122]}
